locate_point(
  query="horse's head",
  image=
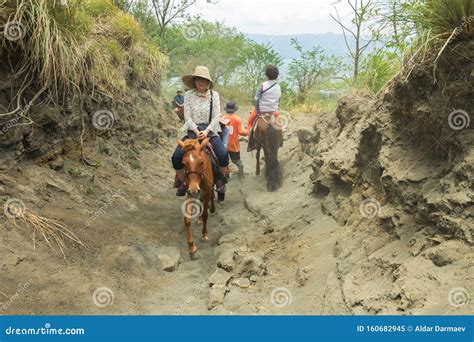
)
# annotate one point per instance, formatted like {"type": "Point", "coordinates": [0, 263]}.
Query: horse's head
{"type": "Point", "coordinates": [193, 161]}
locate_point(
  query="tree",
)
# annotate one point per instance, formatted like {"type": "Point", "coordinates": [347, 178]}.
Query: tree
{"type": "Point", "coordinates": [310, 67]}
{"type": "Point", "coordinates": [363, 11]}
{"type": "Point", "coordinates": [167, 11]}
{"type": "Point", "coordinates": [395, 25]}
{"type": "Point", "coordinates": [256, 57]}
{"type": "Point", "coordinates": [218, 47]}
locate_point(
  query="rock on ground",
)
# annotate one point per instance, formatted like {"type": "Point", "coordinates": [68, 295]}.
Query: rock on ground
{"type": "Point", "coordinates": [252, 264]}
{"type": "Point", "coordinates": [235, 299]}
{"type": "Point", "coordinates": [228, 238]}
{"type": "Point", "coordinates": [226, 260]}
{"type": "Point", "coordinates": [219, 277]}
{"type": "Point", "coordinates": [241, 282]}
{"type": "Point", "coordinates": [170, 257]}
{"type": "Point", "coordinates": [216, 296]}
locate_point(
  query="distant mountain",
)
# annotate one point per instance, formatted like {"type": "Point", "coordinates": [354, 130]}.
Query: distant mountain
{"type": "Point", "coordinates": [332, 43]}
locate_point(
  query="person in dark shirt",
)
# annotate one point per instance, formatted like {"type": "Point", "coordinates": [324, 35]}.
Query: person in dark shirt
{"type": "Point", "coordinates": [178, 104]}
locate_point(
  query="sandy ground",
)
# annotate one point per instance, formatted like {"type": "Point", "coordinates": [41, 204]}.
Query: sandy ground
{"type": "Point", "coordinates": [269, 253]}
{"type": "Point", "coordinates": [140, 219]}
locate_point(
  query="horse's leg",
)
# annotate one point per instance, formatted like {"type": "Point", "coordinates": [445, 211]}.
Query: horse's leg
{"type": "Point", "coordinates": [269, 170]}
{"type": "Point", "coordinates": [213, 204]}
{"type": "Point", "coordinates": [192, 248]}
{"type": "Point", "coordinates": [280, 176]}
{"type": "Point", "coordinates": [257, 171]}
{"type": "Point", "coordinates": [267, 166]}
{"type": "Point", "coordinates": [205, 214]}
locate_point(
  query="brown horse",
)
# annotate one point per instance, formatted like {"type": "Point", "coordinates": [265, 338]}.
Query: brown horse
{"type": "Point", "coordinates": [200, 181]}
{"type": "Point", "coordinates": [266, 136]}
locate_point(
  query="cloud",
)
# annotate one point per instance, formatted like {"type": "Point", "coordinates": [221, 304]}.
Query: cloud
{"type": "Point", "coordinates": [273, 16]}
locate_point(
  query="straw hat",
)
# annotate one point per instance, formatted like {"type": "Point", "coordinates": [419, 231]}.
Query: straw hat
{"type": "Point", "coordinates": [200, 71]}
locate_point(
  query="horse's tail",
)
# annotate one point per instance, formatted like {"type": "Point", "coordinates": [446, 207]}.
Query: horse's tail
{"type": "Point", "coordinates": [272, 169]}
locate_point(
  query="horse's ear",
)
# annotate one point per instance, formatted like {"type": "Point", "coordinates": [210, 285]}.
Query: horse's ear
{"type": "Point", "coordinates": [180, 143]}
{"type": "Point", "coordinates": [204, 143]}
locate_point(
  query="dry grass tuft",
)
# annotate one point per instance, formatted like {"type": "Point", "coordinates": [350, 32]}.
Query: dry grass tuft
{"type": "Point", "coordinates": [88, 46]}
{"type": "Point", "coordinates": [52, 231]}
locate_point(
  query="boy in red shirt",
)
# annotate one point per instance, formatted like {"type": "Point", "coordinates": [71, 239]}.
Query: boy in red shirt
{"type": "Point", "coordinates": [236, 129]}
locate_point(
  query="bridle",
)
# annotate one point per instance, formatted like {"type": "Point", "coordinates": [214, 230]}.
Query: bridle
{"type": "Point", "coordinates": [199, 173]}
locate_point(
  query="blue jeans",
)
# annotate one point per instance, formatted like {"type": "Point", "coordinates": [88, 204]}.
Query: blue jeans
{"type": "Point", "coordinates": [225, 136]}
{"type": "Point", "coordinates": [216, 142]}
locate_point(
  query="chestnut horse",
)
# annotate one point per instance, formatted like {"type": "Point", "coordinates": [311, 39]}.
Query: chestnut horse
{"type": "Point", "coordinates": [266, 136]}
{"type": "Point", "coordinates": [200, 180]}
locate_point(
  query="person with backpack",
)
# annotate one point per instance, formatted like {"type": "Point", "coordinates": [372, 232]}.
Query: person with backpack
{"type": "Point", "coordinates": [267, 100]}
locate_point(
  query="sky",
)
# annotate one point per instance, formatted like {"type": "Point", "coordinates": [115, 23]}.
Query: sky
{"type": "Point", "coordinates": [276, 17]}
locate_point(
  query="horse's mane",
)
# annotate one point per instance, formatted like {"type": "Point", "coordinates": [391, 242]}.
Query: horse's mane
{"type": "Point", "coordinates": [190, 144]}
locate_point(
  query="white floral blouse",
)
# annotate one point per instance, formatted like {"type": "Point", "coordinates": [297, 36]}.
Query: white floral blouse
{"type": "Point", "coordinates": [197, 108]}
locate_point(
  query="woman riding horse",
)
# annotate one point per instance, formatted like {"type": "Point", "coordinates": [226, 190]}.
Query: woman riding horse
{"type": "Point", "coordinates": [202, 117]}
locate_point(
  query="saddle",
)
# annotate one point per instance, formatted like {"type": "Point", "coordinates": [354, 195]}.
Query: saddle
{"type": "Point", "coordinates": [261, 116]}
{"type": "Point", "coordinates": [219, 179]}
{"type": "Point", "coordinates": [209, 150]}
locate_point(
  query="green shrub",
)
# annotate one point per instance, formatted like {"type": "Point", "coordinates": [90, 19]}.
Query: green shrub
{"type": "Point", "coordinates": [98, 8]}
{"type": "Point", "coordinates": [146, 62]}
{"type": "Point", "coordinates": [442, 17]}
{"type": "Point", "coordinates": [74, 172]}
{"type": "Point", "coordinates": [126, 29]}
{"type": "Point", "coordinates": [116, 52]}
{"type": "Point", "coordinates": [134, 164]}
{"type": "Point", "coordinates": [88, 45]}
{"type": "Point", "coordinates": [378, 68]}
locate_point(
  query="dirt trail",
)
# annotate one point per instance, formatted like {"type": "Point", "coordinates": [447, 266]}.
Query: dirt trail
{"type": "Point", "coordinates": [259, 221]}
{"type": "Point", "coordinates": [269, 253]}
{"type": "Point", "coordinates": [274, 240]}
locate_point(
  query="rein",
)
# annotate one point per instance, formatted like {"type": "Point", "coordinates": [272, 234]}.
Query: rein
{"type": "Point", "coordinates": [186, 173]}
{"type": "Point", "coordinates": [264, 117]}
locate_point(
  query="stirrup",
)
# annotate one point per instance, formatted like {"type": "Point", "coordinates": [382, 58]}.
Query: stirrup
{"type": "Point", "coordinates": [220, 185]}
{"type": "Point", "coordinates": [182, 190]}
